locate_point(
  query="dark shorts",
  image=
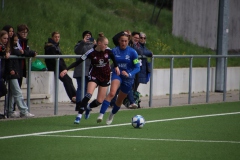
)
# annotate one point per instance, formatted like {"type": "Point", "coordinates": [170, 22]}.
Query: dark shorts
{"type": "Point", "coordinates": [99, 83]}
{"type": "Point", "coordinates": [125, 83]}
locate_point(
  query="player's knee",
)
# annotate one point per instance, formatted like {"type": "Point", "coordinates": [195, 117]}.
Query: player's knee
{"type": "Point", "coordinates": [111, 95]}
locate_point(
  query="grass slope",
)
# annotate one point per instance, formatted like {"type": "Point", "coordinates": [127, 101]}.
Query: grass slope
{"type": "Point", "coordinates": [71, 18]}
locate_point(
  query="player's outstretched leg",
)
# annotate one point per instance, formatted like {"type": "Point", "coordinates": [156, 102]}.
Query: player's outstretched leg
{"type": "Point", "coordinates": [103, 109]}
{"type": "Point", "coordinates": [111, 115]}
{"type": "Point", "coordinates": [79, 116]}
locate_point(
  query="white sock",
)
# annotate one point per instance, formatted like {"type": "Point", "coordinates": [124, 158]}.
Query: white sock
{"type": "Point", "coordinates": [100, 116]}
{"type": "Point", "coordinates": [79, 115]}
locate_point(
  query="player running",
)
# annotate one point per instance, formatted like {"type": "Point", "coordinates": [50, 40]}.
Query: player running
{"type": "Point", "coordinates": [127, 59]}
{"type": "Point", "coordinates": [99, 75]}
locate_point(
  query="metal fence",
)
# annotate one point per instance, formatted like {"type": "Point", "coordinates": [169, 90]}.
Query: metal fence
{"type": "Point", "coordinates": [191, 57]}
{"type": "Point", "coordinates": [171, 57]}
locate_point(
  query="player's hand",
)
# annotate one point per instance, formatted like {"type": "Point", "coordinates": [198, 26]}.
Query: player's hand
{"type": "Point", "coordinates": [117, 71]}
{"type": "Point", "coordinates": [22, 51]}
{"type": "Point", "coordinates": [125, 74]}
{"type": "Point", "coordinates": [63, 73]}
{"type": "Point", "coordinates": [7, 55]}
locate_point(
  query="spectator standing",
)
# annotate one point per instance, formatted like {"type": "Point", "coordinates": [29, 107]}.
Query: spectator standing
{"type": "Point", "coordinates": [143, 75]}
{"type": "Point", "coordinates": [52, 48]}
{"type": "Point", "coordinates": [4, 53]}
{"type": "Point", "coordinates": [22, 45]}
{"type": "Point", "coordinates": [10, 31]}
{"type": "Point", "coordinates": [15, 93]}
{"type": "Point", "coordinates": [80, 48]}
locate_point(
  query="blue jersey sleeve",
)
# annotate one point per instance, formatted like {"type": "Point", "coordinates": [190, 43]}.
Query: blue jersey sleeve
{"type": "Point", "coordinates": [136, 64]}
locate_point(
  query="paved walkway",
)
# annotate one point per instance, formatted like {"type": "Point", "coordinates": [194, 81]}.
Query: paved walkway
{"type": "Point", "coordinates": [67, 108]}
{"type": "Point", "coordinates": [47, 109]}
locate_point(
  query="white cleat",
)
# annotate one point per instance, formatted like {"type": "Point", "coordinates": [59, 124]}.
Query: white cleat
{"type": "Point", "coordinates": [133, 106]}
{"type": "Point", "coordinates": [110, 119]}
{"type": "Point", "coordinates": [100, 118]}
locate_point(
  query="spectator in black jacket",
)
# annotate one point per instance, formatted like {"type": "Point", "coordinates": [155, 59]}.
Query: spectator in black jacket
{"type": "Point", "coordinates": [12, 74]}
{"type": "Point", "coordinates": [22, 32]}
{"type": "Point", "coordinates": [52, 48]}
{"type": "Point", "coordinates": [4, 53]}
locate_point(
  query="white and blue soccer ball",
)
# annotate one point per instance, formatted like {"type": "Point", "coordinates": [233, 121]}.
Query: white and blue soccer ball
{"type": "Point", "coordinates": [138, 121]}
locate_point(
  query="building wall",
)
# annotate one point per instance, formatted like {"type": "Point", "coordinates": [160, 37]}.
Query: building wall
{"type": "Point", "coordinates": [196, 21]}
{"type": "Point", "coordinates": [234, 25]}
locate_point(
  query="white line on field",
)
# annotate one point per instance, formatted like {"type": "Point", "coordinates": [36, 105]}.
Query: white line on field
{"type": "Point", "coordinates": [115, 125]}
{"type": "Point", "coordinates": [144, 139]}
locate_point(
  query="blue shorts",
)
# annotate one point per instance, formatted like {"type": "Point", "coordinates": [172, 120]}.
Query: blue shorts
{"type": "Point", "coordinates": [125, 83]}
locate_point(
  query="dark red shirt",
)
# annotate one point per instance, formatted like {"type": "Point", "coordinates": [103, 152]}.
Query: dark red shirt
{"type": "Point", "coordinates": [100, 66]}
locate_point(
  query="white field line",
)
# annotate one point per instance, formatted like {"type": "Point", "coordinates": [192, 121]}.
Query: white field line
{"type": "Point", "coordinates": [116, 125]}
{"type": "Point", "coordinates": [143, 139]}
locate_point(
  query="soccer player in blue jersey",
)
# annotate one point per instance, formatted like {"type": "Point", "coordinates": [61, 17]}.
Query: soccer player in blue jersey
{"type": "Point", "coordinates": [127, 59]}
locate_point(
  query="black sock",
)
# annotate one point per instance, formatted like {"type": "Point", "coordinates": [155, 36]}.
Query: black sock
{"type": "Point", "coordinates": [94, 104]}
{"type": "Point", "coordinates": [85, 100]}
{"type": "Point", "coordinates": [78, 105]}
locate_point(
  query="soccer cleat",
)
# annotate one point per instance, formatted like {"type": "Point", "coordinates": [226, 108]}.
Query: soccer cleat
{"type": "Point", "coordinates": [110, 119]}
{"type": "Point", "coordinates": [26, 115]}
{"type": "Point", "coordinates": [133, 106]}
{"type": "Point", "coordinates": [77, 120]}
{"type": "Point", "coordinates": [100, 118]}
{"type": "Point", "coordinates": [87, 112]}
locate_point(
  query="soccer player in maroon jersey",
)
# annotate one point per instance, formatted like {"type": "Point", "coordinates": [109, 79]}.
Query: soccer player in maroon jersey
{"type": "Point", "coordinates": [99, 75]}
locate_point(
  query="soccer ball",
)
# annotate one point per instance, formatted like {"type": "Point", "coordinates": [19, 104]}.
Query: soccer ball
{"type": "Point", "coordinates": [138, 121]}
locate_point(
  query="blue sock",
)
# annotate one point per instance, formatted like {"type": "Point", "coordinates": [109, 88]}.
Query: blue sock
{"type": "Point", "coordinates": [115, 109]}
{"type": "Point", "coordinates": [104, 107]}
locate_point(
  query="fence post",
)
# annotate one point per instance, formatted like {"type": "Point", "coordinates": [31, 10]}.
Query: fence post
{"type": "Point", "coordinates": [225, 79]}
{"type": "Point", "coordinates": [190, 82]}
{"type": "Point", "coordinates": [56, 87]}
{"type": "Point", "coordinates": [83, 81]}
{"type": "Point", "coordinates": [151, 83]}
{"type": "Point", "coordinates": [208, 77]}
{"type": "Point", "coordinates": [171, 82]}
{"type": "Point", "coordinates": [29, 83]}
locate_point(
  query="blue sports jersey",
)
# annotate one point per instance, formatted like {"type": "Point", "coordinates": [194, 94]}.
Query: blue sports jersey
{"type": "Point", "coordinates": [127, 60]}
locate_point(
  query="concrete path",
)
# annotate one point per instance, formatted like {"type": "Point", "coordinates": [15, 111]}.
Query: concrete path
{"type": "Point", "coordinates": [47, 109]}
{"type": "Point", "coordinates": [67, 108]}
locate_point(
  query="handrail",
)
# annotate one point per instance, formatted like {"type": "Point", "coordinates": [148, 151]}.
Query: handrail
{"type": "Point", "coordinates": [151, 78]}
